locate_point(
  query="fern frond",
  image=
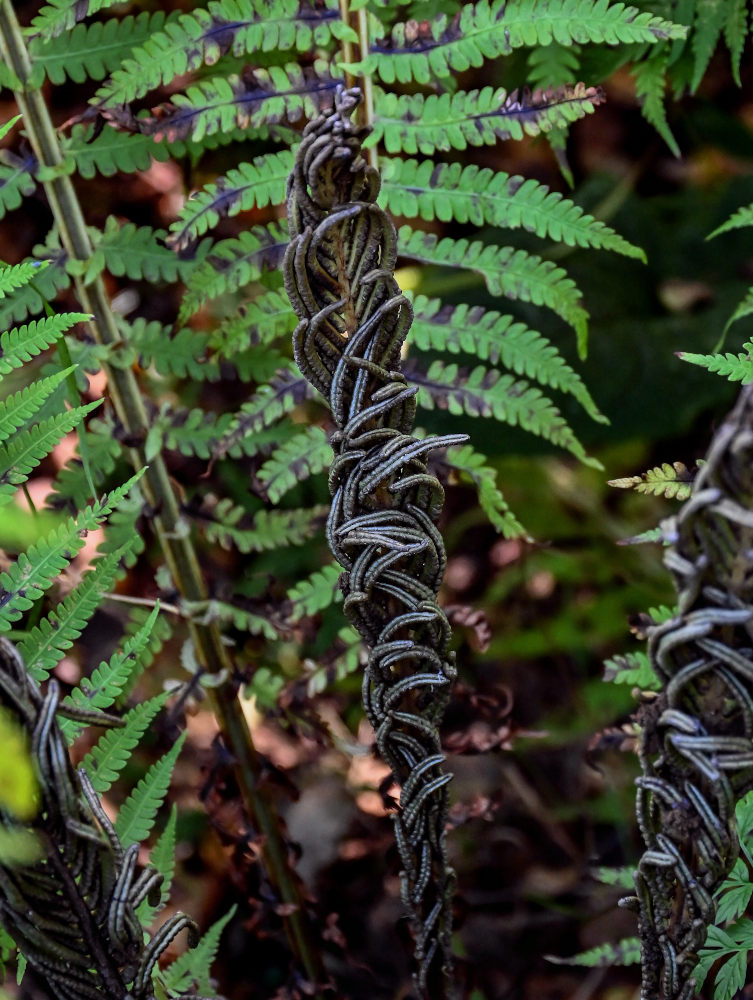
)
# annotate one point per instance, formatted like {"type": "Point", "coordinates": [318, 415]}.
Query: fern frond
{"type": "Point", "coordinates": [734, 367]}
{"type": "Point", "coordinates": [315, 593]}
{"type": "Point", "coordinates": [304, 455]}
{"type": "Point", "coordinates": [625, 952]}
{"type": "Point", "coordinates": [506, 271]}
{"type": "Point", "coordinates": [673, 481]}
{"type": "Point", "coordinates": [742, 217]}
{"type": "Point", "coordinates": [24, 342]}
{"type": "Point", "coordinates": [46, 643]}
{"type": "Point", "coordinates": [161, 857]}
{"type": "Point", "coordinates": [650, 77]}
{"type": "Point", "coordinates": [261, 321]}
{"type": "Point", "coordinates": [35, 569]}
{"type": "Point", "coordinates": [45, 279]}
{"type": "Point", "coordinates": [111, 152]}
{"type": "Point", "coordinates": [140, 253]}
{"type": "Point", "coordinates": [448, 191]}
{"type": "Point", "coordinates": [710, 19]}
{"type": "Point", "coordinates": [191, 432]}
{"type": "Point", "coordinates": [91, 51]}
{"type": "Point", "coordinates": [223, 104]}
{"type": "Point", "coordinates": [17, 180]}
{"type": "Point", "coordinates": [735, 32]}
{"type": "Point", "coordinates": [270, 529]}
{"type": "Point", "coordinates": [15, 276]}
{"type": "Point", "coordinates": [27, 448]}
{"type": "Point", "coordinates": [241, 618]}
{"type": "Point", "coordinates": [59, 15]}
{"type": "Point", "coordinates": [122, 527]}
{"type": "Point", "coordinates": [632, 668]}
{"type": "Point", "coordinates": [490, 336]}
{"type": "Point", "coordinates": [182, 354]}
{"type": "Point", "coordinates": [233, 263]}
{"type": "Point", "coordinates": [109, 679]}
{"type": "Point", "coordinates": [139, 811]}
{"type": "Point", "coordinates": [71, 487]}
{"type": "Point", "coordinates": [204, 35]}
{"type": "Point", "coordinates": [109, 756]}
{"type": "Point", "coordinates": [251, 185]}
{"type": "Point", "coordinates": [744, 309]}
{"type": "Point", "coordinates": [417, 123]}
{"type": "Point", "coordinates": [278, 397]}
{"type": "Point", "coordinates": [486, 393]}
{"type": "Point", "coordinates": [484, 30]}
{"type": "Point", "coordinates": [18, 409]}
{"type": "Point", "coordinates": [191, 969]}
{"type": "Point", "coordinates": [553, 65]}
{"type": "Point", "coordinates": [471, 464]}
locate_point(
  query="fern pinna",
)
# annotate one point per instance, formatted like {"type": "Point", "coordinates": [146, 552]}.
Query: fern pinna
{"type": "Point", "coordinates": [339, 274]}
{"type": "Point", "coordinates": [696, 741]}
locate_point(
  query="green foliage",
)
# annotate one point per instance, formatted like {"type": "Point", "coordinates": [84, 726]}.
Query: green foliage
{"type": "Point", "coordinates": [673, 481]}
{"type": "Point", "coordinates": [734, 367]}
{"type": "Point", "coordinates": [305, 454]}
{"type": "Point", "coordinates": [106, 760]}
{"type": "Point", "coordinates": [192, 968]}
{"type": "Point", "coordinates": [625, 952]}
{"type": "Point", "coordinates": [139, 811]}
{"type": "Point", "coordinates": [315, 593]}
{"type": "Point", "coordinates": [270, 529]}
{"type": "Point", "coordinates": [472, 468]}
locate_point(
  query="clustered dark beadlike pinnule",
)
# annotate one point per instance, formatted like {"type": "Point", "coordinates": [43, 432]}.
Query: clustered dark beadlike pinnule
{"type": "Point", "coordinates": [339, 274]}
{"type": "Point", "coordinates": [72, 912]}
{"type": "Point", "coordinates": [696, 743]}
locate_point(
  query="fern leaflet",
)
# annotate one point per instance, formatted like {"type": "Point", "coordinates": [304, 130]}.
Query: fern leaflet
{"type": "Point", "coordinates": [471, 464]}
{"type": "Point", "coordinates": [161, 857]}
{"type": "Point", "coordinates": [192, 968]}
{"type": "Point", "coordinates": [59, 15]}
{"type": "Point", "coordinates": [742, 217]}
{"type": "Point", "coordinates": [106, 760]}
{"type": "Point", "coordinates": [25, 342]}
{"type": "Point", "coordinates": [316, 593]}
{"type": "Point", "coordinates": [111, 152]}
{"type": "Point", "coordinates": [271, 529]}
{"type": "Point", "coordinates": [734, 367]}
{"type": "Point", "coordinates": [673, 481]}
{"type": "Point", "coordinates": [18, 409]}
{"type": "Point", "coordinates": [305, 454]}
{"type": "Point", "coordinates": [139, 811]}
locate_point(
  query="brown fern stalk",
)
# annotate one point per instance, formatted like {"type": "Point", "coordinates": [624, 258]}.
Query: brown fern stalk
{"type": "Point", "coordinates": [382, 527]}
{"type": "Point", "coordinates": [696, 745]}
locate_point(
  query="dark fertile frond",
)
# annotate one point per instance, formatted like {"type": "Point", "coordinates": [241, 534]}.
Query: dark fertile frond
{"type": "Point", "coordinates": [339, 274]}
{"type": "Point", "coordinates": [696, 743]}
{"type": "Point", "coordinates": [72, 911]}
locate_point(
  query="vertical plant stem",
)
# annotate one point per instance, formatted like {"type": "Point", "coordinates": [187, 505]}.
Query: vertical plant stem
{"type": "Point", "coordinates": [366, 84]}
{"type": "Point", "coordinates": [169, 526]}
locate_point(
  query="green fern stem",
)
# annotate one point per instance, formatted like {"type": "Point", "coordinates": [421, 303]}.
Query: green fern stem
{"type": "Point", "coordinates": [169, 526]}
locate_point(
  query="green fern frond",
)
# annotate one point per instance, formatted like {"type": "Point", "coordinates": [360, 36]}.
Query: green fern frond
{"type": "Point", "coordinates": [109, 679]}
{"type": "Point", "coordinates": [625, 952]}
{"type": "Point", "coordinates": [191, 432]}
{"type": "Point", "coordinates": [742, 217]}
{"type": "Point", "coordinates": [471, 465]}
{"type": "Point", "coordinates": [35, 569]}
{"type": "Point", "coordinates": [734, 367]}
{"type": "Point", "coordinates": [650, 77]}
{"type": "Point", "coordinates": [111, 152]}
{"type": "Point", "coordinates": [203, 36]}
{"type": "Point", "coordinates": [270, 529]}
{"type": "Point", "coordinates": [315, 593]}
{"type": "Point", "coordinates": [137, 814]}
{"type": "Point", "coordinates": [27, 448]}
{"type": "Point", "coordinates": [744, 309]}
{"type": "Point", "coordinates": [191, 969]}
{"type": "Point", "coordinates": [243, 619]}
{"type": "Point", "coordinates": [490, 336]}
{"type": "Point", "coordinates": [91, 51]}
{"type": "Point", "coordinates": [25, 342]}
{"type": "Point", "coordinates": [553, 65]}
{"type": "Point", "coordinates": [448, 191]}
{"type": "Point", "coordinates": [250, 185]}
{"type": "Point", "coordinates": [140, 253]}
{"type": "Point", "coordinates": [46, 643]}
{"type": "Point", "coordinates": [16, 276]}
{"type": "Point", "coordinates": [710, 19]}
{"type": "Point", "coordinates": [233, 263]}
{"type": "Point", "coordinates": [43, 281]}
{"type": "Point", "coordinates": [59, 15]}
{"type": "Point", "coordinates": [182, 354]}
{"type": "Point", "coordinates": [272, 401]}
{"type": "Point", "coordinates": [506, 271]}
{"type": "Point", "coordinates": [17, 180]}
{"type": "Point", "coordinates": [109, 756]}
{"type": "Point", "coordinates": [71, 486]}
{"type": "Point", "coordinates": [122, 527]}
{"type": "Point", "coordinates": [735, 32]}
{"type": "Point", "coordinates": [18, 409]}
{"type": "Point", "coordinates": [673, 481]}
{"type": "Point", "coordinates": [486, 30]}
{"type": "Point", "coordinates": [486, 393]}
{"type": "Point", "coordinates": [161, 857]}
{"type": "Point", "coordinates": [252, 101]}
{"type": "Point", "coordinates": [304, 455]}
{"type": "Point", "coordinates": [634, 669]}
{"type": "Point", "coordinates": [267, 317]}
{"type": "Point", "coordinates": [423, 124]}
